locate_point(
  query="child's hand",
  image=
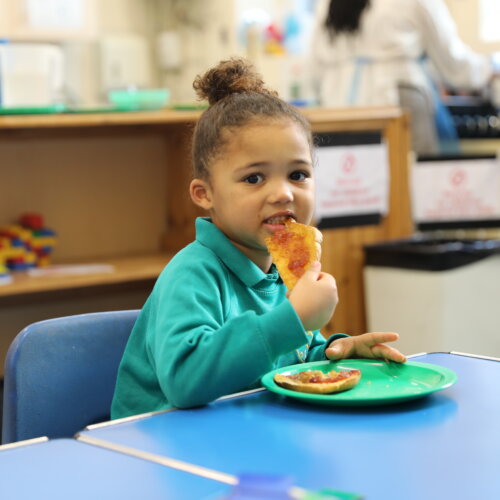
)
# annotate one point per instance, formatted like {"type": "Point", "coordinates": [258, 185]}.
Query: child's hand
{"type": "Point", "coordinates": [314, 297]}
{"type": "Point", "coordinates": [368, 345]}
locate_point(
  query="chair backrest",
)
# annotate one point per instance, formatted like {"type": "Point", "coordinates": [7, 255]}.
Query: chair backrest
{"type": "Point", "coordinates": [60, 374]}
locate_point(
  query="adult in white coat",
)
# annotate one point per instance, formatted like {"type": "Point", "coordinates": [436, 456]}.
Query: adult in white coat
{"type": "Point", "coordinates": [373, 53]}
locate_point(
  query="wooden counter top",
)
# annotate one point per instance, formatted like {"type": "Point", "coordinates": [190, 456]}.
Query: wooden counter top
{"type": "Point", "coordinates": [62, 120]}
{"type": "Point", "coordinates": [165, 117]}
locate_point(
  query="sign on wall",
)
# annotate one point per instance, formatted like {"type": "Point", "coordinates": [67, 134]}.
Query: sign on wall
{"type": "Point", "coordinates": [456, 192]}
{"type": "Point", "coordinates": [352, 179]}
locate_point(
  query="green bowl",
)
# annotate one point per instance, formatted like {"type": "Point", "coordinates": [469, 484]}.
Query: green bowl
{"type": "Point", "coordinates": [139, 99]}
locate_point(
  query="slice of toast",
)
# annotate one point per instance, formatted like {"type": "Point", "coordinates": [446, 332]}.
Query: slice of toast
{"type": "Point", "coordinates": [317, 382]}
{"type": "Point", "coordinates": [293, 249]}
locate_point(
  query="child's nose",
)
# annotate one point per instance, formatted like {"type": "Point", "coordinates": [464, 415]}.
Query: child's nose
{"type": "Point", "coordinates": [281, 192]}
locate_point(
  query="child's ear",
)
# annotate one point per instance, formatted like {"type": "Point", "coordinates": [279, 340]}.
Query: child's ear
{"type": "Point", "coordinates": [201, 193]}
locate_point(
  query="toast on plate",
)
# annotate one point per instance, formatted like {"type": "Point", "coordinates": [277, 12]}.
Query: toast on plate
{"type": "Point", "coordinates": [318, 382]}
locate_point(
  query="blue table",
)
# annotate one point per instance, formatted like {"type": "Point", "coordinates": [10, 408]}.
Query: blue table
{"type": "Point", "coordinates": [65, 469]}
{"type": "Point", "coordinates": [446, 445]}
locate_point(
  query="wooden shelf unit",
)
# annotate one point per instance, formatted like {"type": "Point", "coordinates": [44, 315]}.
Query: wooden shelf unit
{"type": "Point", "coordinates": [122, 270]}
{"type": "Point", "coordinates": [168, 133]}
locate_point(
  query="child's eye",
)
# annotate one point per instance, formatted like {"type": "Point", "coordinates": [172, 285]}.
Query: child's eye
{"type": "Point", "coordinates": [299, 175]}
{"type": "Point", "coordinates": [253, 179]}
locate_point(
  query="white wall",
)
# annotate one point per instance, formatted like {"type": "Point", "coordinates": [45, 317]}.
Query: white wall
{"type": "Point", "coordinates": [467, 16]}
{"type": "Point", "coordinates": [206, 35]}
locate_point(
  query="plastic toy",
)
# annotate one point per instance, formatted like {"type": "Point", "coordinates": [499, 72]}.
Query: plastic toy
{"type": "Point", "coordinates": [25, 245]}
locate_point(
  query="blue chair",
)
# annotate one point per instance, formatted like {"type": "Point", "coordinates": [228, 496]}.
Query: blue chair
{"type": "Point", "coordinates": [60, 374]}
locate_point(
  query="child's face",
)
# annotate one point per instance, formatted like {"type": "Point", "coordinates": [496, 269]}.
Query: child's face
{"type": "Point", "coordinates": [263, 174]}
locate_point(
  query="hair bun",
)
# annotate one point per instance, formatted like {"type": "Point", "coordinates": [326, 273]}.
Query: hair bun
{"type": "Point", "coordinates": [236, 75]}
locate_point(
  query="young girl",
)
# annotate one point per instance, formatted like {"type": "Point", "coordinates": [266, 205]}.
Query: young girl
{"type": "Point", "coordinates": [219, 316]}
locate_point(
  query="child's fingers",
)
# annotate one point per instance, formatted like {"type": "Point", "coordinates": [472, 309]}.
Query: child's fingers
{"type": "Point", "coordinates": [329, 285]}
{"type": "Point", "coordinates": [339, 349]}
{"type": "Point", "coordinates": [373, 345]}
{"type": "Point", "coordinates": [373, 338]}
{"type": "Point", "coordinates": [388, 353]}
{"type": "Point", "coordinates": [318, 236]}
{"type": "Point", "coordinates": [368, 345]}
{"type": "Point", "coordinates": [327, 279]}
{"type": "Point", "coordinates": [318, 250]}
{"type": "Point", "coordinates": [312, 272]}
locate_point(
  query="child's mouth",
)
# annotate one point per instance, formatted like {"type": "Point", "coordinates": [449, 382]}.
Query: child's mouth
{"type": "Point", "coordinates": [277, 222]}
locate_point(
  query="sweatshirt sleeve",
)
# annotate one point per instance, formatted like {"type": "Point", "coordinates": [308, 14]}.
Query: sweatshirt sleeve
{"type": "Point", "coordinates": [201, 352]}
{"type": "Point", "coordinates": [319, 346]}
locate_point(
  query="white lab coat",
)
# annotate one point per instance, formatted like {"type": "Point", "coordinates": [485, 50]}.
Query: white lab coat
{"type": "Point", "coordinates": [365, 69]}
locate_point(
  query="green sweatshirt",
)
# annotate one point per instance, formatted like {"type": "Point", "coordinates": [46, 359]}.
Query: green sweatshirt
{"type": "Point", "coordinates": [213, 325]}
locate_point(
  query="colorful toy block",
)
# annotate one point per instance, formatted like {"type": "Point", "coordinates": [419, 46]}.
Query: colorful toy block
{"type": "Point", "coordinates": [25, 245]}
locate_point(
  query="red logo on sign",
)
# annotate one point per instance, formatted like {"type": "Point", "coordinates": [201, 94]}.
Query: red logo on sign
{"type": "Point", "coordinates": [457, 177]}
{"type": "Point", "coordinates": [348, 163]}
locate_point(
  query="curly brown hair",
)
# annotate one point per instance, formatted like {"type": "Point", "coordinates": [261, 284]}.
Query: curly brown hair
{"type": "Point", "coordinates": [237, 96]}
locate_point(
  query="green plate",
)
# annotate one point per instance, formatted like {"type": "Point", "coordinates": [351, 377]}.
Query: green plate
{"type": "Point", "coordinates": [381, 382]}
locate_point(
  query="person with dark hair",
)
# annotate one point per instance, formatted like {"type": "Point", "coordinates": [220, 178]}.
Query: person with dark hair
{"type": "Point", "coordinates": [377, 52]}
{"type": "Point", "coordinates": [219, 316]}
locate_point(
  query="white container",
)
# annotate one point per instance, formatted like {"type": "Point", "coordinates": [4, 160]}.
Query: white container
{"type": "Point", "coordinates": [125, 62]}
{"type": "Point", "coordinates": [32, 75]}
{"type": "Point", "coordinates": [452, 310]}
{"type": "Point", "coordinates": [82, 77]}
